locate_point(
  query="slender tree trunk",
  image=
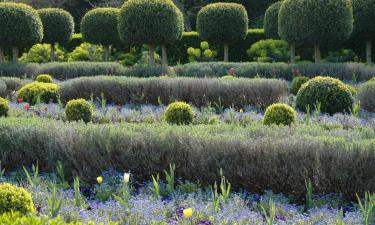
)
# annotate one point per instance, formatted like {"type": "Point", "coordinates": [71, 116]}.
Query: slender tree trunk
{"type": "Point", "coordinates": [368, 51]}
{"type": "Point", "coordinates": [15, 54]}
{"type": "Point", "coordinates": [292, 53]}
{"type": "Point", "coordinates": [164, 55]}
{"type": "Point", "coordinates": [106, 53]}
{"type": "Point", "coordinates": [2, 58]}
{"type": "Point", "coordinates": [151, 53]}
{"type": "Point", "coordinates": [53, 52]}
{"type": "Point", "coordinates": [226, 53]}
{"type": "Point", "coordinates": [317, 53]}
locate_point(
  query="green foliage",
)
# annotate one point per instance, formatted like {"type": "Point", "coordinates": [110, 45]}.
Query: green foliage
{"type": "Point", "coordinates": [15, 199]}
{"type": "Point", "coordinates": [78, 109]}
{"type": "Point", "coordinates": [4, 107]}
{"type": "Point", "coordinates": [44, 78]}
{"type": "Point", "coordinates": [58, 25]}
{"type": "Point", "coordinates": [331, 94]}
{"type": "Point", "coordinates": [151, 22]}
{"type": "Point", "coordinates": [342, 55]}
{"type": "Point", "coordinates": [202, 54]}
{"type": "Point", "coordinates": [366, 95]}
{"type": "Point", "coordinates": [86, 52]}
{"type": "Point", "coordinates": [269, 51]}
{"type": "Point", "coordinates": [41, 53]}
{"type": "Point", "coordinates": [296, 84]}
{"type": "Point", "coordinates": [222, 23]}
{"type": "Point", "coordinates": [179, 113]}
{"type": "Point", "coordinates": [99, 26]}
{"type": "Point", "coordinates": [363, 11]}
{"type": "Point", "coordinates": [20, 25]}
{"type": "Point", "coordinates": [367, 207]}
{"type": "Point", "coordinates": [320, 22]}
{"type": "Point", "coordinates": [271, 19]}
{"type": "Point", "coordinates": [37, 91]}
{"type": "Point", "coordinates": [280, 114]}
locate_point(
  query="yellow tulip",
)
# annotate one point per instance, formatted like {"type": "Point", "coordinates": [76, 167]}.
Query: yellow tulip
{"type": "Point", "coordinates": [188, 212]}
{"type": "Point", "coordinates": [99, 180]}
{"type": "Point", "coordinates": [126, 178]}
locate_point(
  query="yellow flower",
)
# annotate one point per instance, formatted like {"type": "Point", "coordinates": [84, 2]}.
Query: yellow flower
{"type": "Point", "coordinates": [188, 212]}
{"type": "Point", "coordinates": [126, 178]}
{"type": "Point", "coordinates": [241, 110]}
{"type": "Point", "coordinates": [99, 180]}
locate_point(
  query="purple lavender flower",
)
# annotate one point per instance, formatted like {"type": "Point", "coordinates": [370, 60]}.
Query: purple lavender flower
{"type": "Point", "coordinates": [180, 211]}
{"type": "Point", "coordinates": [204, 222]}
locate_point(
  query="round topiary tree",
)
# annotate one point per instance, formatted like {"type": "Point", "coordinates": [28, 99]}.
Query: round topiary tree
{"type": "Point", "coordinates": [44, 78]}
{"type": "Point", "coordinates": [223, 23]}
{"type": "Point", "coordinates": [15, 199]}
{"type": "Point", "coordinates": [78, 109]}
{"type": "Point", "coordinates": [364, 26]}
{"type": "Point", "coordinates": [99, 26]}
{"type": "Point", "coordinates": [270, 22]}
{"type": "Point", "coordinates": [38, 91]}
{"type": "Point", "coordinates": [331, 94]}
{"type": "Point", "coordinates": [20, 26]}
{"type": "Point", "coordinates": [279, 114]}
{"type": "Point", "coordinates": [296, 84]}
{"type": "Point", "coordinates": [4, 107]}
{"type": "Point", "coordinates": [317, 23]}
{"type": "Point", "coordinates": [151, 22]}
{"type": "Point", "coordinates": [58, 26]}
{"type": "Point", "coordinates": [179, 113]}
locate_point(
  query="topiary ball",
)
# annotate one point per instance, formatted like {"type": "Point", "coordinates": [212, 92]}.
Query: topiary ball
{"type": "Point", "coordinates": [4, 107]}
{"type": "Point", "coordinates": [332, 95]}
{"type": "Point", "coordinates": [78, 109]}
{"type": "Point", "coordinates": [20, 25]}
{"type": "Point", "coordinates": [296, 84]}
{"type": "Point", "coordinates": [44, 92]}
{"type": "Point", "coordinates": [279, 114]}
{"type": "Point", "coordinates": [58, 25]}
{"type": "Point", "coordinates": [16, 199]}
{"type": "Point", "coordinates": [44, 78]}
{"type": "Point", "coordinates": [179, 113]}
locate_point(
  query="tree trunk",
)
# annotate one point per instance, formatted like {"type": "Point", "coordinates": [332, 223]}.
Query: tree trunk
{"type": "Point", "coordinates": [52, 52]}
{"type": "Point", "coordinates": [151, 53]}
{"type": "Point", "coordinates": [164, 55]}
{"type": "Point", "coordinates": [226, 53]}
{"type": "Point", "coordinates": [293, 53]}
{"type": "Point", "coordinates": [317, 53]}
{"type": "Point", "coordinates": [15, 54]}
{"type": "Point", "coordinates": [2, 58]}
{"type": "Point", "coordinates": [368, 51]}
{"type": "Point", "coordinates": [106, 53]}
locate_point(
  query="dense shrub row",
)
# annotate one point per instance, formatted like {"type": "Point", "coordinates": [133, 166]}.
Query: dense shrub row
{"type": "Point", "coordinates": [257, 157]}
{"type": "Point", "coordinates": [198, 92]}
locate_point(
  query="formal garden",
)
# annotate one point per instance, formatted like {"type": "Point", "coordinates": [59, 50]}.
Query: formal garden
{"type": "Point", "coordinates": [163, 112]}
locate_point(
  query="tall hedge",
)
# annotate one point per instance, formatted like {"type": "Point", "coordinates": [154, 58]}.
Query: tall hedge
{"type": "Point", "coordinates": [315, 22]}
{"type": "Point", "coordinates": [58, 26]}
{"type": "Point", "coordinates": [20, 26]}
{"type": "Point", "coordinates": [271, 18]}
{"type": "Point", "coordinates": [224, 23]}
{"type": "Point", "coordinates": [99, 26]}
{"type": "Point", "coordinates": [151, 22]}
{"type": "Point", "coordinates": [364, 26]}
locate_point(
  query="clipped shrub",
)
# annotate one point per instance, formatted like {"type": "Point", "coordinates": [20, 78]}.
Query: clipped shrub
{"type": "Point", "coordinates": [179, 113]}
{"type": "Point", "coordinates": [342, 55]}
{"type": "Point", "coordinates": [271, 18]}
{"type": "Point", "coordinates": [58, 27]}
{"type": "Point", "coordinates": [78, 109]}
{"type": "Point", "coordinates": [4, 107]}
{"type": "Point", "coordinates": [332, 95]}
{"type": "Point", "coordinates": [15, 199]}
{"type": "Point", "coordinates": [44, 78]}
{"type": "Point", "coordinates": [279, 114]}
{"type": "Point", "coordinates": [223, 23]}
{"type": "Point", "coordinates": [228, 77]}
{"type": "Point", "coordinates": [318, 23]}
{"type": "Point", "coordinates": [37, 91]}
{"type": "Point", "coordinates": [296, 84]}
{"type": "Point", "coordinates": [99, 26]}
{"type": "Point", "coordinates": [151, 22]}
{"type": "Point", "coordinates": [41, 53]}
{"type": "Point", "coordinates": [9, 85]}
{"type": "Point", "coordinates": [86, 52]}
{"type": "Point", "coordinates": [269, 51]}
{"type": "Point", "coordinates": [366, 95]}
